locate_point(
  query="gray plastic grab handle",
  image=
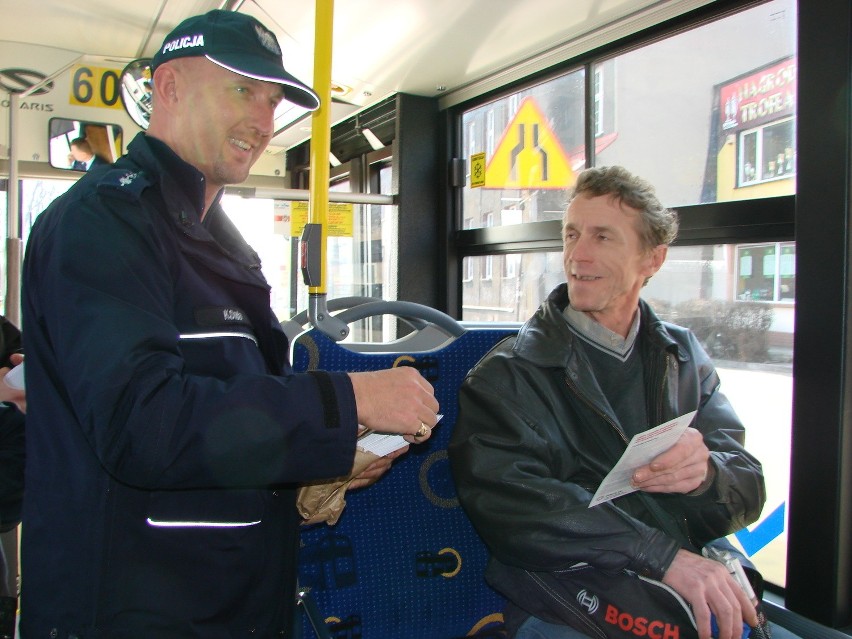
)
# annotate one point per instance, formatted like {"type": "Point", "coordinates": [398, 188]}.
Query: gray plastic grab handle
{"type": "Point", "coordinates": [404, 310]}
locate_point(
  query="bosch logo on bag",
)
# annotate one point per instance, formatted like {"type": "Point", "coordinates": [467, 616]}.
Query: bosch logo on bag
{"type": "Point", "coordinates": [641, 626]}
{"type": "Point", "coordinates": [587, 601]}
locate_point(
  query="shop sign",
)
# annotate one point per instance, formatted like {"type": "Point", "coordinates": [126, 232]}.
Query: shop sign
{"type": "Point", "coordinates": [763, 96]}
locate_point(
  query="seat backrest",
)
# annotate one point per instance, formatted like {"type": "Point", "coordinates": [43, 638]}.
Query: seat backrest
{"type": "Point", "coordinates": [403, 561]}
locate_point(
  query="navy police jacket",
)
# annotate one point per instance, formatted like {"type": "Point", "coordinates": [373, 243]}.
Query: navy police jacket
{"type": "Point", "coordinates": [166, 429]}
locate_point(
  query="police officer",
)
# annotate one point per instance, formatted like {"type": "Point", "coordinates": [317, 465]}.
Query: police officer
{"type": "Point", "coordinates": [170, 432]}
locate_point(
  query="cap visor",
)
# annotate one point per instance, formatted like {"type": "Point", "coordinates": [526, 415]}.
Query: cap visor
{"type": "Point", "coordinates": [294, 91]}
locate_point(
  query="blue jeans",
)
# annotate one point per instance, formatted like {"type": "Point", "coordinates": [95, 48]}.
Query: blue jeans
{"type": "Point", "coordinates": [535, 628]}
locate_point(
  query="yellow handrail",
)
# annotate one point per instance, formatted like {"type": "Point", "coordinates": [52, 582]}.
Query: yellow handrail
{"type": "Point", "coordinates": [321, 132]}
{"type": "Point", "coordinates": [318, 186]}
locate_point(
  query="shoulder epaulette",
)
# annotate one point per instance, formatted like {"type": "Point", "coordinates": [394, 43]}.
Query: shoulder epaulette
{"type": "Point", "coordinates": [124, 183]}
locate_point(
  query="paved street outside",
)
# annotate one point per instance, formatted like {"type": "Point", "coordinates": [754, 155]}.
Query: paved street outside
{"type": "Point", "coordinates": [764, 401]}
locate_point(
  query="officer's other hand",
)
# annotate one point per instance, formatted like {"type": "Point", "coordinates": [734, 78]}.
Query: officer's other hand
{"type": "Point", "coordinates": [372, 473]}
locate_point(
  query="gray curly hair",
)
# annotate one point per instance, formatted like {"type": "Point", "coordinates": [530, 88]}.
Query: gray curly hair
{"type": "Point", "coordinates": [658, 225]}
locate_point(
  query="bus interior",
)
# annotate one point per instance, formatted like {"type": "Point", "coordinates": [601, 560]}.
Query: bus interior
{"type": "Point", "coordinates": [738, 111]}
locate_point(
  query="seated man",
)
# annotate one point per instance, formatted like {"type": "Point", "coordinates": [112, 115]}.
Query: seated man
{"type": "Point", "coordinates": [546, 415]}
{"type": "Point", "coordinates": [82, 158]}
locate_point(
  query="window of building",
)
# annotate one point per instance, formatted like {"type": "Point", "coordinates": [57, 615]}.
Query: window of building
{"type": "Point", "coordinates": [490, 133]}
{"type": "Point", "coordinates": [598, 100]}
{"type": "Point", "coordinates": [513, 103]}
{"type": "Point", "coordinates": [766, 272]}
{"type": "Point", "coordinates": [767, 153]}
{"type": "Point", "coordinates": [511, 262]}
{"type": "Point", "coordinates": [708, 111]}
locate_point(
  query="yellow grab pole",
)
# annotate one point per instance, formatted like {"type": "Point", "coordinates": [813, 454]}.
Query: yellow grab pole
{"type": "Point", "coordinates": [318, 187]}
{"type": "Point", "coordinates": [320, 132]}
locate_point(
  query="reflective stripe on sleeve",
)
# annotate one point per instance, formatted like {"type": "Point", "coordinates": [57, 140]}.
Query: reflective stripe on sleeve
{"type": "Point", "coordinates": [200, 524]}
{"type": "Point", "coordinates": [217, 335]}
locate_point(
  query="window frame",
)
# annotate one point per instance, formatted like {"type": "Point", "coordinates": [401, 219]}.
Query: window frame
{"type": "Point", "coordinates": [768, 219]}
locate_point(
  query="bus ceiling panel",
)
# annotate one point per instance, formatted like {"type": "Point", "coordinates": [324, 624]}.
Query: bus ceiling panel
{"type": "Point", "coordinates": [597, 26]}
{"type": "Point", "coordinates": [380, 49]}
{"type": "Point", "coordinates": [98, 27]}
{"type": "Point", "coordinates": [431, 49]}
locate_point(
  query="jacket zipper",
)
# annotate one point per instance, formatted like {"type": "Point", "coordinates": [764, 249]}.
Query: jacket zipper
{"type": "Point", "coordinates": [591, 405]}
{"type": "Point", "coordinates": [683, 524]}
{"type": "Point", "coordinates": [608, 420]}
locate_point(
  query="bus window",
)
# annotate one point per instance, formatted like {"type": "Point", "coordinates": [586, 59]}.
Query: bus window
{"type": "Point", "coordinates": [510, 287]}
{"type": "Point", "coordinates": [750, 338]}
{"type": "Point", "coordinates": [532, 144]}
{"type": "Point", "coordinates": [35, 195]}
{"type": "Point", "coordinates": [360, 253]}
{"type": "Point", "coordinates": [707, 115]}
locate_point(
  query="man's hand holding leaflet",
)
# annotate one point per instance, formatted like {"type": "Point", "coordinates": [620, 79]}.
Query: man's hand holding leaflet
{"type": "Point", "coordinates": [641, 450]}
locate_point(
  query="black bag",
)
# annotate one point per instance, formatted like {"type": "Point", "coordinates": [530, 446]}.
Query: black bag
{"type": "Point", "coordinates": [605, 605]}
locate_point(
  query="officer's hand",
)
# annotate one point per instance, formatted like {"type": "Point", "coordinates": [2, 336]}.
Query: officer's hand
{"type": "Point", "coordinates": [397, 400]}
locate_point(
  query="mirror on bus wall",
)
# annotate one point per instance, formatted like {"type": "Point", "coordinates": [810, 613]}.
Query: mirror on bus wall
{"type": "Point", "coordinates": [136, 91]}
{"type": "Point", "coordinates": [79, 145]}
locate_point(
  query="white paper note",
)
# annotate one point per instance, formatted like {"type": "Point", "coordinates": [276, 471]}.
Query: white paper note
{"type": "Point", "coordinates": [382, 444]}
{"type": "Point", "coordinates": [640, 451]}
{"type": "Point", "coordinates": [15, 377]}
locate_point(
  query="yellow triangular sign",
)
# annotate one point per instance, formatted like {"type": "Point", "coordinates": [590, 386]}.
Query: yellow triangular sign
{"type": "Point", "coordinates": [529, 155]}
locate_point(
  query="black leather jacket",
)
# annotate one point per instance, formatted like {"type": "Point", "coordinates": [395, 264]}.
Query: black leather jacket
{"type": "Point", "coordinates": [535, 436]}
{"type": "Point", "coordinates": [11, 441]}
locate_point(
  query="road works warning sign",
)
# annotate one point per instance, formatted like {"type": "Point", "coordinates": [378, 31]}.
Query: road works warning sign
{"type": "Point", "coordinates": [529, 155]}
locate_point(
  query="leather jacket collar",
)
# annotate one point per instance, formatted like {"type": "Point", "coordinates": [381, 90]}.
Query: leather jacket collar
{"type": "Point", "coordinates": [547, 341]}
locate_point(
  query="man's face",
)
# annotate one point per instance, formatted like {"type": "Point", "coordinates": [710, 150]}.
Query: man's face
{"type": "Point", "coordinates": [605, 261]}
{"type": "Point", "coordinates": [226, 121]}
{"type": "Point", "coordinates": [79, 154]}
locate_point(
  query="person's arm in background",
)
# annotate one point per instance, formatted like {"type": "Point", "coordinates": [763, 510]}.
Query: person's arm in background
{"type": "Point", "coordinates": [9, 394]}
{"type": "Point", "coordinates": [10, 356]}
{"type": "Point", "coordinates": [11, 466]}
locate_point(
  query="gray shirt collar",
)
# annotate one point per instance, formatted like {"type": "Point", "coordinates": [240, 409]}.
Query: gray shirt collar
{"type": "Point", "coordinates": [599, 335]}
